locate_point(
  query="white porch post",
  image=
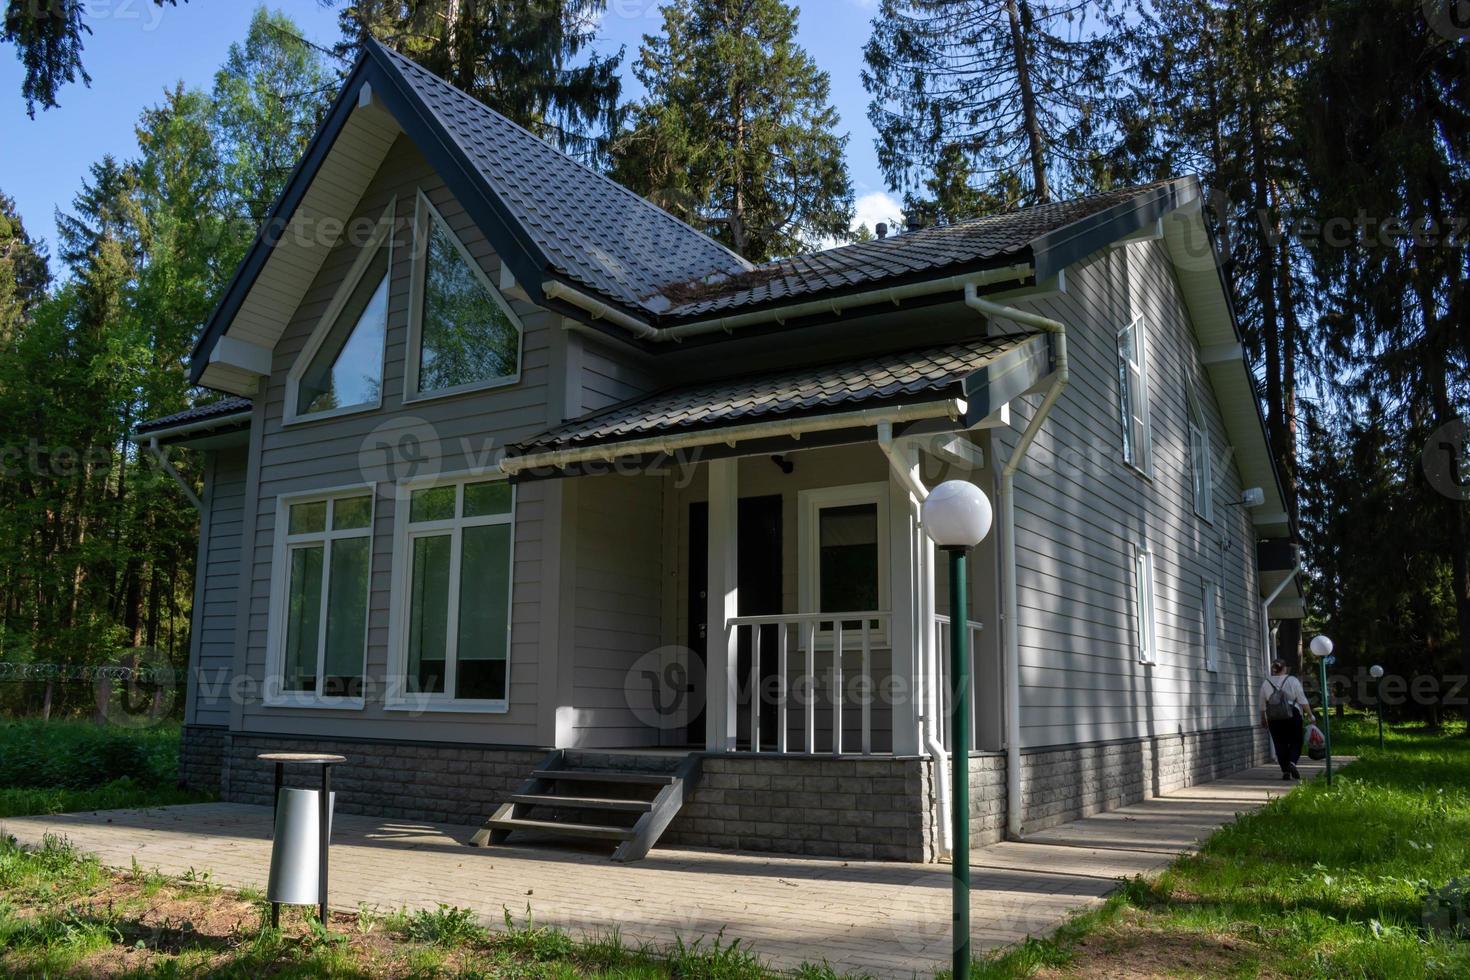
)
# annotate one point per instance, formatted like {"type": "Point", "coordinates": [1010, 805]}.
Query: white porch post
{"type": "Point", "coordinates": [720, 660]}
{"type": "Point", "coordinates": [909, 617]}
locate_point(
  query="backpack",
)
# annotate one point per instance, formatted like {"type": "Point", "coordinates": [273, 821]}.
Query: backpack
{"type": "Point", "coordinates": [1278, 706]}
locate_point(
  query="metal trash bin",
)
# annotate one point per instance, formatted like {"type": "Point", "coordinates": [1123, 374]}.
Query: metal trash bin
{"type": "Point", "coordinates": [296, 851]}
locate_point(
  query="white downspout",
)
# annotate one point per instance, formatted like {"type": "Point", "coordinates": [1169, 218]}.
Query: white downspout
{"type": "Point", "coordinates": [925, 694]}
{"type": "Point", "coordinates": [1008, 541]}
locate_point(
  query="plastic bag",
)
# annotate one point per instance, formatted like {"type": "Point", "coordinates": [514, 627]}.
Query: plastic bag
{"type": "Point", "coordinates": [1316, 743]}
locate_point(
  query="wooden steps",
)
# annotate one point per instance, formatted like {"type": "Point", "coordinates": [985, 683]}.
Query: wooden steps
{"type": "Point", "coordinates": [631, 806]}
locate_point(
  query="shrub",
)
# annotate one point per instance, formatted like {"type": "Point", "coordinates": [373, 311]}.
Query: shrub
{"type": "Point", "coordinates": [78, 755]}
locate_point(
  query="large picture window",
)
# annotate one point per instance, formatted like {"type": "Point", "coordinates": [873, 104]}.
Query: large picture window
{"type": "Point", "coordinates": [463, 335]}
{"type": "Point", "coordinates": [320, 596]}
{"type": "Point", "coordinates": [455, 613]}
{"type": "Point", "coordinates": [340, 370]}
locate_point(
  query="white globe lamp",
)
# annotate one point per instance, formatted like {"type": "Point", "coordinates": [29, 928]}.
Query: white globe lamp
{"type": "Point", "coordinates": [1321, 646]}
{"type": "Point", "coordinates": [957, 514]}
{"type": "Point", "coordinates": [1375, 672]}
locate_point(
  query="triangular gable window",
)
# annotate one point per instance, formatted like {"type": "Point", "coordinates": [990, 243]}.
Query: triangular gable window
{"type": "Point", "coordinates": [465, 334]}
{"type": "Point", "coordinates": [343, 361]}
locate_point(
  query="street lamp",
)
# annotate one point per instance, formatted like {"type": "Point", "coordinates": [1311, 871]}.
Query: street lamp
{"type": "Point", "coordinates": [956, 516]}
{"type": "Point", "coordinates": [1322, 649]}
{"type": "Point", "coordinates": [1376, 672]}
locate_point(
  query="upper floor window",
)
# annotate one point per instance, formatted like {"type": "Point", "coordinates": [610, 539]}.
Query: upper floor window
{"type": "Point", "coordinates": [341, 368]}
{"type": "Point", "coordinates": [318, 639]}
{"type": "Point", "coordinates": [462, 333]}
{"type": "Point", "coordinates": [1201, 461]}
{"type": "Point", "coordinates": [1133, 376]}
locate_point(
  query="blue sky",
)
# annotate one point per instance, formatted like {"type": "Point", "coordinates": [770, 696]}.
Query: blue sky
{"type": "Point", "coordinates": [137, 50]}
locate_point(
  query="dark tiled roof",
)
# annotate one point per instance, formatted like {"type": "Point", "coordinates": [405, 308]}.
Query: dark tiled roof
{"type": "Point", "coordinates": [221, 409]}
{"type": "Point", "coordinates": [925, 374]}
{"type": "Point", "coordinates": [963, 243]}
{"type": "Point", "coordinates": [591, 228]}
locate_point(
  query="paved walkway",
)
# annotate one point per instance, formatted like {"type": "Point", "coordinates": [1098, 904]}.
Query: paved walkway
{"type": "Point", "coordinates": [885, 919]}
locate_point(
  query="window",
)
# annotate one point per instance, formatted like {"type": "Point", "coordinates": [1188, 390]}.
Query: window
{"type": "Point", "coordinates": [463, 335]}
{"type": "Point", "coordinates": [320, 595]}
{"type": "Point", "coordinates": [341, 368]}
{"type": "Point", "coordinates": [1133, 380]}
{"type": "Point", "coordinates": [1213, 624]}
{"type": "Point", "coordinates": [1201, 461]}
{"type": "Point", "coordinates": [843, 565]}
{"type": "Point", "coordinates": [455, 567]}
{"type": "Point", "coordinates": [1143, 597]}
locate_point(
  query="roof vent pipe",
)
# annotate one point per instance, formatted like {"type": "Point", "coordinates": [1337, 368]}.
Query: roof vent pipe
{"type": "Point", "coordinates": [882, 230]}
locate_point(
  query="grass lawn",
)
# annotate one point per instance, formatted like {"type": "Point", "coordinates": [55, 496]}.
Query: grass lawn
{"type": "Point", "coordinates": [1322, 883]}
{"type": "Point", "coordinates": [62, 766]}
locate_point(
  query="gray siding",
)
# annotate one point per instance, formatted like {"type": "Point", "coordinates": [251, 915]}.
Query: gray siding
{"type": "Point", "coordinates": [459, 432]}
{"type": "Point", "coordinates": [1080, 510]}
{"type": "Point", "coordinates": [618, 580]}
{"type": "Point", "coordinates": [219, 579]}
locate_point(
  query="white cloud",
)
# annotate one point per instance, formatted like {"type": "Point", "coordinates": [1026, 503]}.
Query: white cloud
{"type": "Point", "coordinates": [869, 209]}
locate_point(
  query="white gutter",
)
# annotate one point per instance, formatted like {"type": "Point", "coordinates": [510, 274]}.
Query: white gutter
{"type": "Point", "coordinates": [1008, 541]}
{"type": "Point", "coordinates": [952, 408]}
{"type": "Point", "coordinates": [556, 289]}
{"type": "Point", "coordinates": [926, 673]}
{"type": "Point", "coordinates": [202, 425]}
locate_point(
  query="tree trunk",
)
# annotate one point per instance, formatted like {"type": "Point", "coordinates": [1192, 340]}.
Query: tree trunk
{"type": "Point", "coordinates": [1037, 150]}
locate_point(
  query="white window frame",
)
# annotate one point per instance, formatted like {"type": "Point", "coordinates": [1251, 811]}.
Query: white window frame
{"type": "Point", "coordinates": [275, 695]}
{"type": "Point", "coordinates": [1212, 616]}
{"type": "Point", "coordinates": [1201, 459]}
{"type": "Point", "coordinates": [1138, 450]}
{"type": "Point", "coordinates": [1145, 606]}
{"type": "Point", "coordinates": [424, 213]}
{"type": "Point", "coordinates": [398, 696]}
{"type": "Point", "coordinates": [381, 237]}
{"type": "Point", "coordinates": [810, 504]}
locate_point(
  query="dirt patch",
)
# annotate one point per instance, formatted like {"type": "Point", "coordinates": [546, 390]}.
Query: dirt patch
{"type": "Point", "coordinates": [1133, 948]}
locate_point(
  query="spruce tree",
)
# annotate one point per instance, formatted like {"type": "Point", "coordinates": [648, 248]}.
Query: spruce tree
{"type": "Point", "coordinates": [1013, 86]}
{"type": "Point", "coordinates": [522, 58]}
{"type": "Point", "coordinates": [737, 135]}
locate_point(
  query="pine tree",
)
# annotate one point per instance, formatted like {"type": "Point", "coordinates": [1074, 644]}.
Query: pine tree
{"type": "Point", "coordinates": [520, 57]}
{"type": "Point", "coordinates": [1011, 85]}
{"type": "Point", "coordinates": [24, 270]}
{"type": "Point", "coordinates": [737, 135]}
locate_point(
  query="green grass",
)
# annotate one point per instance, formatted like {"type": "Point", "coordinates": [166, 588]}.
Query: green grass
{"type": "Point", "coordinates": [1326, 882]}
{"type": "Point", "coordinates": [66, 766]}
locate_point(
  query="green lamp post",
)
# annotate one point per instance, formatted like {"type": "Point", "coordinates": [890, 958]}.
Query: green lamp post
{"type": "Point", "coordinates": [1322, 649]}
{"type": "Point", "coordinates": [956, 516]}
{"type": "Point", "coordinates": [1376, 672]}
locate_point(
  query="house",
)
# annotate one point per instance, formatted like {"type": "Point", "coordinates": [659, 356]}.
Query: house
{"type": "Point", "coordinates": [553, 515]}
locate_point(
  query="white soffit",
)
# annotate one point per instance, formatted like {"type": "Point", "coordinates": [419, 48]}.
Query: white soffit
{"type": "Point", "coordinates": [297, 256]}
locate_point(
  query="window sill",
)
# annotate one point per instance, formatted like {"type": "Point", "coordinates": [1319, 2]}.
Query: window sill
{"type": "Point", "coordinates": [311, 701]}
{"type": "Point", "coordinates": [469, 389]}
{"type": "Point", "coordinates": [1138, 470]}
{"type": "Point", "coordinates": [439, 706]}
{"type": "Point", "coordinates": [335, 413]}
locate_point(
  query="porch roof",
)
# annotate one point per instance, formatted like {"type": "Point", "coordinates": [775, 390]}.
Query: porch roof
{"type": "Point", "coordinates": [969, 380]}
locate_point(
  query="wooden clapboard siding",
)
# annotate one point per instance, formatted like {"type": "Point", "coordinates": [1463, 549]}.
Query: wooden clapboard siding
{"type": "Point", "coordinates": [1080, 511]}
{"type": "Point", "coordinates": [213, 641]}
{"type": "Point", "coordinates": [464, 432]}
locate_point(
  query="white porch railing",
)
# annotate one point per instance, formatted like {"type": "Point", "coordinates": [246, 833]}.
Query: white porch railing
{"type": "Point", "coordinates": [814, 653]}
{"type": "Point", "coordinates": [942, 646]}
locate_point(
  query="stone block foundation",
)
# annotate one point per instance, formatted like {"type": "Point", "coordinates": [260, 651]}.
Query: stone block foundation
{"type": "Point", "coordinates": [865, 808]}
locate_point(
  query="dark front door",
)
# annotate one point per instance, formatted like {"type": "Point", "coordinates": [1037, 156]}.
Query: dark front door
{"type": "Point", "coordinates": [758, 538]}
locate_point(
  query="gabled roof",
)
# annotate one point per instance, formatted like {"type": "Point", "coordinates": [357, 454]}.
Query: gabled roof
{"type": "Point", "coordinates": [550, 218]}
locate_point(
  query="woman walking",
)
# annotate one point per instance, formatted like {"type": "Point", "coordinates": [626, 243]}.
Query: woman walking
{"type": "Point", "coordinates": [1283, 702]}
